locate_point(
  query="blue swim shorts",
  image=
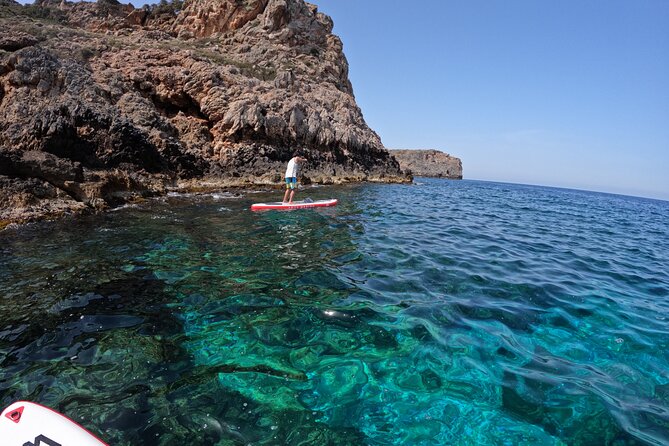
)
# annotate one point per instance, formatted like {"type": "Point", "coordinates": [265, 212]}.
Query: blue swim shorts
{"type": "Point", "coordinates": [291, 182]}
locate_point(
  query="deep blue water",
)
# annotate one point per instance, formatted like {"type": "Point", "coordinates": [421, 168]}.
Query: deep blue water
{"type": "Point", "coordinates": [444, 312]}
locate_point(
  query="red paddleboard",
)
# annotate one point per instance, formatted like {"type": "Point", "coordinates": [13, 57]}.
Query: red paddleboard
{"type": "Point", "coordinates": [24, 423]}
{"type": "Point", "coordinates": [279, 206]}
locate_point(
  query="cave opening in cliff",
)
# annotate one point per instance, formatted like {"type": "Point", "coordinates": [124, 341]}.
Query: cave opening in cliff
{"type": "Point", "coordinates": [184, 104]}
{"type": "Point", "coordinates": [69, 145]}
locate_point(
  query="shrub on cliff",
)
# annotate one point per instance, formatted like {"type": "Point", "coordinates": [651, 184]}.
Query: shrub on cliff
{"type": "Point", "coordinates": [171, 7]}
{"type": "Point", "coordinates": [106, 7]}
{"type": "Point", "coordinates": [39, 12]}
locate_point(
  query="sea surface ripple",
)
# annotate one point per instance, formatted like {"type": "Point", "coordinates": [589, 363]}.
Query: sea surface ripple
{"type": "Point", "coordinates": [443, 312]}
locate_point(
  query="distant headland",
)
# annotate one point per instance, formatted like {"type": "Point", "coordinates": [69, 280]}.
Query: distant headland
{"type": "Point", "coordinates": [429, 163]}
{"type": "Point", "coordinates": [103, 103]}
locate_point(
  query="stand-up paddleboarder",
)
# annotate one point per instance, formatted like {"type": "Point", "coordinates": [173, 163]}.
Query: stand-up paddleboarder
{"type": "Point", "coordinates": [291, 176]}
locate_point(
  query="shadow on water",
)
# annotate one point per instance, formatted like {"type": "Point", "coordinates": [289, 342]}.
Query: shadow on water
{"type": "Point", "coordinates": [107, 356]}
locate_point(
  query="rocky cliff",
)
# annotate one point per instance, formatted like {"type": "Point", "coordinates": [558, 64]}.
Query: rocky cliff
{"type": "Point", "coordinates": [102, 103]}
{"type": "Point", "coordinates": [429, 163]}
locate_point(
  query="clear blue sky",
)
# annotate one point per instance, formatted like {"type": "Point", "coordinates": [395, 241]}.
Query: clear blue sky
{"type": "Point", "coordinates": [570, 93]}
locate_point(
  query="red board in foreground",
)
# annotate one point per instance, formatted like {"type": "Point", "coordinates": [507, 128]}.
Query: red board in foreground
{"type": "Point", "coordinates": [294, 205]}
{"type": "Point", "coordinates": [25, 423]}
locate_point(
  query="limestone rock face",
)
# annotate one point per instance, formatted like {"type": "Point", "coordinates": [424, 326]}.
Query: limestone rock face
{"type": "Point", "coordinates": [206, 17]}
{"type": "Point", "coordinates": [429, 163]}
{"type": "Point", "coordinates": [105, 103]}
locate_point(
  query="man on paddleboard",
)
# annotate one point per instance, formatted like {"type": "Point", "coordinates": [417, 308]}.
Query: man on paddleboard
{"type": "Point", "coordinates": [291, 176]}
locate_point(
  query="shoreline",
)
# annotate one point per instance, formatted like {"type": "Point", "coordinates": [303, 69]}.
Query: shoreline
{"type": "Point", "coordinates": [64, 205]}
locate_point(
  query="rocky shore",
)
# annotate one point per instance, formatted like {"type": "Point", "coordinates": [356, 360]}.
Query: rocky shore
{"type": "Point", "coordinates": [429, 163]}
{"type": "Point", "coordinates": [103, 104]}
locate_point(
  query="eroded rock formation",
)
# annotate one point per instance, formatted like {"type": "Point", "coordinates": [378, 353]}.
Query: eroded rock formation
{"type": "Point", "coordinates": [101, 103]}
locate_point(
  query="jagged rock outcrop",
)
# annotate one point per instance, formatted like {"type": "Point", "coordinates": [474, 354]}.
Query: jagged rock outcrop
{"type": "Point", "coordinates": [134, 101]}
{"type": "Point", "coordinates": [204, 18]}
{"type": "Point", "coordinates": [429, 163]}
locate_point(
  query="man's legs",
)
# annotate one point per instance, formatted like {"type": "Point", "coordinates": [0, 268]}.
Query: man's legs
{"type": "Point", "coordinates": [291, 184]}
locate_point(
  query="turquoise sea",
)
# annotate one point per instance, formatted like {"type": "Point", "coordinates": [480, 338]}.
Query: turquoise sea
{"type": "Point", "coordinates": [439, 313]}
